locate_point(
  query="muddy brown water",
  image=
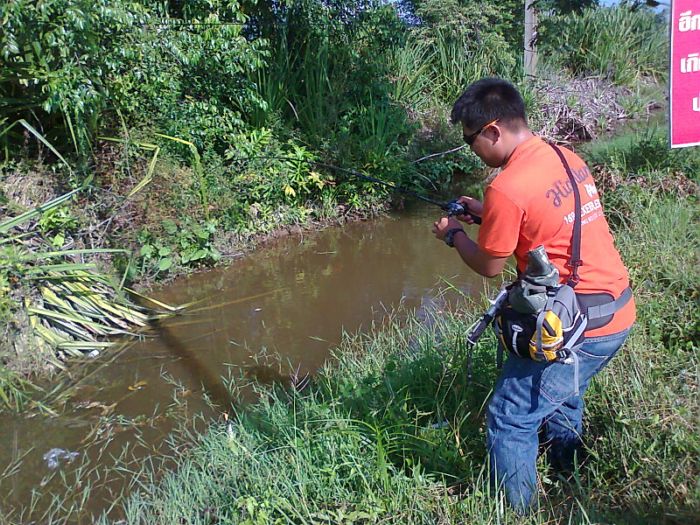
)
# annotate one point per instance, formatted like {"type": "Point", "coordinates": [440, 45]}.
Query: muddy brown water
{"type": "Point", "coordinates": [273, 315]}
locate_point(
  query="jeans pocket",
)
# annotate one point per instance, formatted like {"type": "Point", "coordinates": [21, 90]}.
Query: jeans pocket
{"type": "Point", "coordinates": [557, 382]}
{"type": "Point", "coordinates": [593, 354]}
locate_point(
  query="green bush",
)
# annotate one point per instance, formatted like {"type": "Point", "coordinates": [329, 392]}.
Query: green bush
{"type": "Point", "coordinates": [263, 170]}
{"type": "Point", "coordinates": [188, 78]}
{"type": "Point", "coordinates": [56, 224]}
{"type": "Point", "coordinates": [57, 58]}
{"type": "Point", "coordinates": [68, 63]}
{"type": "Point", "coordinates": [185, 244]}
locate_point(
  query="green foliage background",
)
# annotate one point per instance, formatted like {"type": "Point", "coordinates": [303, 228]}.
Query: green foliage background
{"type": "Point", "coordinates": [262, 89]}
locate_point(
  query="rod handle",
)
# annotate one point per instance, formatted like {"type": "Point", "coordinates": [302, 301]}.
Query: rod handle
{"type": "Point", "coordinates": [457, 208]}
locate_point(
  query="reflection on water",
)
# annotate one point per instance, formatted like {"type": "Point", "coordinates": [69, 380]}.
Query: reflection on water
{"type": "Point", "coordinates": [293, 298]}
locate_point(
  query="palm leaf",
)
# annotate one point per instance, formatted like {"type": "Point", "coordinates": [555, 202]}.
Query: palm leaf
{"type": "Point", "coordinates": [7, 225]}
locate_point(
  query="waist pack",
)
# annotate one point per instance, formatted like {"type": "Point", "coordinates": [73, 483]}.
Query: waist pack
{"type": "Point", "coordinates": [547, 335]}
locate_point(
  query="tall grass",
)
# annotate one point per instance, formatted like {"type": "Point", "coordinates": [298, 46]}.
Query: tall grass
{"type": "Point", "coordinates": [613, 42]}
{"type": "Point", "coordinates": [312, 88]}
{"type": "Point", "coordinates": [459, 61]}
{"type": "Point", "coordinates": [438, 69]}
{"type": "Point", "coordinates": [647, 443]}
{"type": "Point", "coordinates": [645, 152]}
{"type": "Point", "coordinates": [306, 82]}
{"type": "Point", "coordinates": [410, 79]}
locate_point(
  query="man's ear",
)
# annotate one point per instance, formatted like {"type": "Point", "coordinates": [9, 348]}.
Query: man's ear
{"type": "Point", "coordinates": [493, 133]}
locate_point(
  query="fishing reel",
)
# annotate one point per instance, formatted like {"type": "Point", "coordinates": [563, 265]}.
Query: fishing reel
{"type": "Point", "coordinates": [454, 208]}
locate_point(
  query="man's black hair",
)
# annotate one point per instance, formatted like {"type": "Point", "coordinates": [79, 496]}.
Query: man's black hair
{"type": "Point", "coordinates": [486, 100]}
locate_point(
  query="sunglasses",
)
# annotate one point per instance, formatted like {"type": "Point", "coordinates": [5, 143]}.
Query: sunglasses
{"type": "Point", "coordinates": [469, 139]}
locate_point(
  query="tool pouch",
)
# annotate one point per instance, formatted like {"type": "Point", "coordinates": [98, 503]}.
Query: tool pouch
{"type": "Point", "coordinates": [551, 334]}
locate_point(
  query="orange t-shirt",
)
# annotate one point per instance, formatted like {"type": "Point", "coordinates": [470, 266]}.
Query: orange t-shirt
{"type": "Point", "coordinates": [531, 203]}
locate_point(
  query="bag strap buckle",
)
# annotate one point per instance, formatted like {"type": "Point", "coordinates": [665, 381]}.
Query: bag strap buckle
{"type": "Point", "coordinates": [574, 277]}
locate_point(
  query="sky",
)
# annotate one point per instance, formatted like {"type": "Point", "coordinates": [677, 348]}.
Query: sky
{"type": "Point", "coordinates": [613, 2]}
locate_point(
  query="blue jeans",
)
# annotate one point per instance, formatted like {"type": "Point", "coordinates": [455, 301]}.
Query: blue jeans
{"type": "Point", "coordinates": [529, 394]}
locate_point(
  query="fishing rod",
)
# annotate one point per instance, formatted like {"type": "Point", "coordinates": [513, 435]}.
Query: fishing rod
{"type": "Point", "coordinates": [478, 328]}
{"type": "Point", "coordinates": [452, 207]}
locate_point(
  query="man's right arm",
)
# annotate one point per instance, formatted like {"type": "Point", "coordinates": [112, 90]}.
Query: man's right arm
{"type": "Point", "coordinates": [477, 259]}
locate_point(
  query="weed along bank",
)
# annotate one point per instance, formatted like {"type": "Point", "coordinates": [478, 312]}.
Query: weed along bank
{"type": "Point", "coordinates": [220, 297]}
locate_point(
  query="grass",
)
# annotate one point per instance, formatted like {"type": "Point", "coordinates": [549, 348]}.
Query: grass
{"type": "Point", "coordinates": [645, 152]}
{"type": "Point", "coordinates": [15, 391]}
{"type": "Point", "coordinates": [393, 431]}
{"type": "Point", "coordinates": [648, 435]}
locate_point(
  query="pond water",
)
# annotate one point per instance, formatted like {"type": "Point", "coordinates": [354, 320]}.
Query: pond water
{"type": "Point", "coordinates": [273, 315]}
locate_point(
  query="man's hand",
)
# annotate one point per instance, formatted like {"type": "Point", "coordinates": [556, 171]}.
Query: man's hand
{"type": "Point", "coordinates": [442, 226]}
{"type": "Point", "coordinates": [478, 260]}
{"type": "Point", "coordinates": [474, 206]}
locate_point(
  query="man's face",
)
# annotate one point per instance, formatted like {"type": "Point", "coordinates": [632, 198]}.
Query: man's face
{"type": "Point", "coordinates": [485, 143]}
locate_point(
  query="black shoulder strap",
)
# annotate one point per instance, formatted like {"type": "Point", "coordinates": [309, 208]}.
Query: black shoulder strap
{"type": "Point", "coordinates": [575, 260]}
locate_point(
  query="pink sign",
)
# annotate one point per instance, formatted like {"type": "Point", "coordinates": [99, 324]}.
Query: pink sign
{"type": "Point", "coordinates": [685, 73]}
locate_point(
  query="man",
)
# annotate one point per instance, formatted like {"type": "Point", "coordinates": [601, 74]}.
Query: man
{"type": "Point", "coordinates": [530, 203]}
